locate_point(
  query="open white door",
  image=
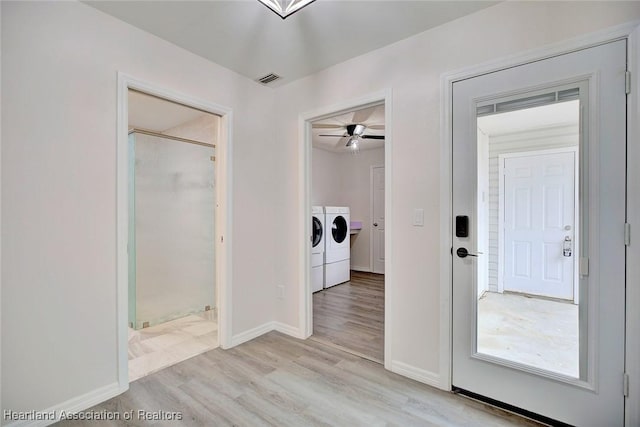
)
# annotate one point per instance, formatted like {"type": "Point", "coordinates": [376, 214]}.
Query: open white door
{"type": "Point", "coordinates": [377, 217]}
{"type": "Point", "coordinates": [585, 386]}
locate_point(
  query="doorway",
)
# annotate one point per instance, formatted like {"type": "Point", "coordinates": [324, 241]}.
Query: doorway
{"type": "Point", "coordinates": [347, 195]}
{"type": "Point", "coordinates": [173, 222]}
{"type": "Point", "coordinates": [358, 143]}
{"type": "Point", "coordinates": [559, 251]}
{"type": "Point", "coordinates": [172, 198]}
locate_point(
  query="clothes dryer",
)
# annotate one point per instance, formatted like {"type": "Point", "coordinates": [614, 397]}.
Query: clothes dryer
{"type": "Point", "coordinates": [337, 246]}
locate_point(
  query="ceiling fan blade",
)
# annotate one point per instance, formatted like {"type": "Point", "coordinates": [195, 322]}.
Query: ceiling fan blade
{"type": "Point", "coordinates": [363, 115]}
{"type": "Point", "coordinates": [376, 127]}
{"type": "Point", "coordinates": [326, 126]}
{"type": "Point", "coordinates": [372, 137]}
{"type": "Point", "coordinates": [335, 136]}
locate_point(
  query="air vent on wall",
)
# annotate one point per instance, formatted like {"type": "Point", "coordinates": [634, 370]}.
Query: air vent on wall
{"type": "Point", "coordinates": [268, 78]}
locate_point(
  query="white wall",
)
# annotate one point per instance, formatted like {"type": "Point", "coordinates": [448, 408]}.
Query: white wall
{"type": "Point", "coordinates": [327, 178]}
{"type": "Point", "coordinates": [60, 63]}
{"type": "Point", "coordinates": [412, 69]}
{"type": "Point", "coordinates": [343, 179]}
{"type": "Point", "coordinates": [482, 215]}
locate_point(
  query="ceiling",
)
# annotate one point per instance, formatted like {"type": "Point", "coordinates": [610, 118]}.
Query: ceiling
{"type": "Point", "coordinates": [151, 113]}
{"type": "Point", "coordinates": [247, 37]}
{"type": "Point", "coordinates": [546, 116]}
{"type": "Point", "coordinates": [335, 125]}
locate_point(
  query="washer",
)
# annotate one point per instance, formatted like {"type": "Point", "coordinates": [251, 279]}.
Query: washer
{"type": "Point", "coordinates": [317, 248]}
{"type": "Point", "coordinates": [337, 246]}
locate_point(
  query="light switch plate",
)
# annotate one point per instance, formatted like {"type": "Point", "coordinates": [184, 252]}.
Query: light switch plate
{"type": "Point", "coordinates": [418, 217]}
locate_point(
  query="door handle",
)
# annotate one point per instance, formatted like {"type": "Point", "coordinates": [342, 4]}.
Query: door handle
{"type": "Point", "coordinates": [463, 253]}
{"type": "Point", "coordinates": [375, 224]}
{"type": "Point", "coordinates": [567, 246]}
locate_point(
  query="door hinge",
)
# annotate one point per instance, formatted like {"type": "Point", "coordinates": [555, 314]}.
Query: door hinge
{"type": "Point", "coordinates": [627, 82]}
{"type": "Point", "coordinates": [627, 234]}
{"type": "Point", "coordinates": [221, 239]}
{"type": "Point", "coordinates": [625, 385]}
{"type": "Point", "coordinates": [584, 267]}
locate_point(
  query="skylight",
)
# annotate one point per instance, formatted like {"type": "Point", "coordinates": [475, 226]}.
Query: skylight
{"type": "Point", "coordinates": [285, 8]}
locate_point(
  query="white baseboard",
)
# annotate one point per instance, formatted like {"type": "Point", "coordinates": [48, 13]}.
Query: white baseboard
{"type": "Point", "coordinates": [263, 329]}
{"type": "Point", "coordinates": [252, 333]}
{"type": "Point", "coordinates": [421, 375]}
{"type": "Point", "coordinates": [366, 269]}
{"type": "Point", "coordinates": [76, 404]}
{"type": "Point", "coordinates": [289, 330]}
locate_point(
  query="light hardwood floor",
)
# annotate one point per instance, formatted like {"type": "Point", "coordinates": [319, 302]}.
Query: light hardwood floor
{"type": "Point", "coordinates": [276, 380]}
{"type": "Point", "coordinates": [351, 315]}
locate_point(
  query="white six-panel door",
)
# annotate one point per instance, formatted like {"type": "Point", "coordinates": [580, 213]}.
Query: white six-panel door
{"type": "Point", "coordinates": [377, 220]}
{"type": "Point", "coordinates": [539, 224]}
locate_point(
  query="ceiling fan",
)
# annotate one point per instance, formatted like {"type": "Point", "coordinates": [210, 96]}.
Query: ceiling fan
{"type": "Point", "coordinates": [355, 132]}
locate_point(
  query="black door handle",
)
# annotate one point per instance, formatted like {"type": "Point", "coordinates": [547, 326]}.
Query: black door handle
{"type": "Point", "coordinates": [463, 253]}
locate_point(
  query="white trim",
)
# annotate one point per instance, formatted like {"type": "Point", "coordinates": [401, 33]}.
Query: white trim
{"type": "Point", "coordinates": [265, 328]}
{"type": "Point", "coordinates": [304, 208]}
{"type": "Point", "coordinates": [252, 333]}
{"type": "Point", "coordinates": [73, 405]}
{"type": "Point", "coordinates": [447, 80]}
{"type": "Point", "coordinates": [360, 268]}
{"type": "Point", "coordinates": [421, 375]}
{"type": "Point", "coordinates": [576, 192]}
{"type": "Point", "coordinates": [288, 330]}
{"type": "Point", "coordinates": [224, 252]}
{"type": "Point", "coordinates": [632, 362]}
{"type": "Point", "coordinates": [371, 240]}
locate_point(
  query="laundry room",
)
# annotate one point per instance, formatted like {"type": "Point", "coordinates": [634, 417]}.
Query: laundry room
{"type": "Point", "coordinates": [348, 200]}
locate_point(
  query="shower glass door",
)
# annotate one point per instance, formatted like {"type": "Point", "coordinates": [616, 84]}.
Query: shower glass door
{"type": "Point", "coordinates": [171, 229]}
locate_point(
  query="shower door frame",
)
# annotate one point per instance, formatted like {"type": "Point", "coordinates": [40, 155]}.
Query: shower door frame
{"type": "Point", "coordinates": [223, 216]}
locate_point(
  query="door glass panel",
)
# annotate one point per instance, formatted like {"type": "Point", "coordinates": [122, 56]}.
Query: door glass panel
{"type": "Point", "coordinates": [528, 220]}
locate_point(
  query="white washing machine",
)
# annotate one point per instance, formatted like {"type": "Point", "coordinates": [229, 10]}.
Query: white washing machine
{"type": "Point", "coordinates": [337, 255]}
{"type": "Point", "coordinates": [317, 248]}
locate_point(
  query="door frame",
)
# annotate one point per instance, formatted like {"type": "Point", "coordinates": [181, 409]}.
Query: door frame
{"type": "Point", "coordinates": [223, 254]}
{"type": "Point", "coordinates": [576, 216]}
{"type": "Point", "coordinates": [305, 315]}
{"type": "Point", "coordinates": [629, 31]}
{"type": "Point", "coordinates": [371, 241]}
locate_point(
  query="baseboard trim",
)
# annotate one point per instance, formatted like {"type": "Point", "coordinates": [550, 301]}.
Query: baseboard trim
{"type": "Point", "coordinates": [76, 404]}
{"type": "Point", "coordinates": [421, 375]}
{"type": "Point", "coordinates": [252, 333]}
{"type": "Point", "coordinates": [292, 331]}
{"type": "Point", "coordinates": [359, 268]}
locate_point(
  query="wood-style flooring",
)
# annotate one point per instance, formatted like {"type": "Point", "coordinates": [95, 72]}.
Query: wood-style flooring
{"type": "Point", "coordinates": [276, 380]}
{"type": "Point", "coordinates": [351, 315]}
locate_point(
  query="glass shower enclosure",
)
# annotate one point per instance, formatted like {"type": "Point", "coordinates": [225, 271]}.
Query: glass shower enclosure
{"type": "Point", "coordinates": [171, 228]}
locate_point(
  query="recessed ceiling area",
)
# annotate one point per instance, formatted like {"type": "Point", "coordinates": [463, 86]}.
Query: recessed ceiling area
{"type": "Point", "coordinates": [247, 37]}
{"type": "Point", "coordinates": [371, 117]}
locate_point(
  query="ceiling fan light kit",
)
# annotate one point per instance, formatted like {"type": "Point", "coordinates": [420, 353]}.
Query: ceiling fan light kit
{"type": "Point", "coordinates": [285, 8]}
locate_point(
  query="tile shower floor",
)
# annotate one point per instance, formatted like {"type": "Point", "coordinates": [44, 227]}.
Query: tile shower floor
{"type": "Point", "coordinates": [160, 346]}
{"type": "Point", "coordinates": [532, 331]}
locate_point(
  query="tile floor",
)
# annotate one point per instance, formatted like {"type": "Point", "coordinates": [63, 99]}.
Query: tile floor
{"type": "Point", "coordinates": [160, 346]}
{"type": "Point", "coordinates": [532, 331]}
